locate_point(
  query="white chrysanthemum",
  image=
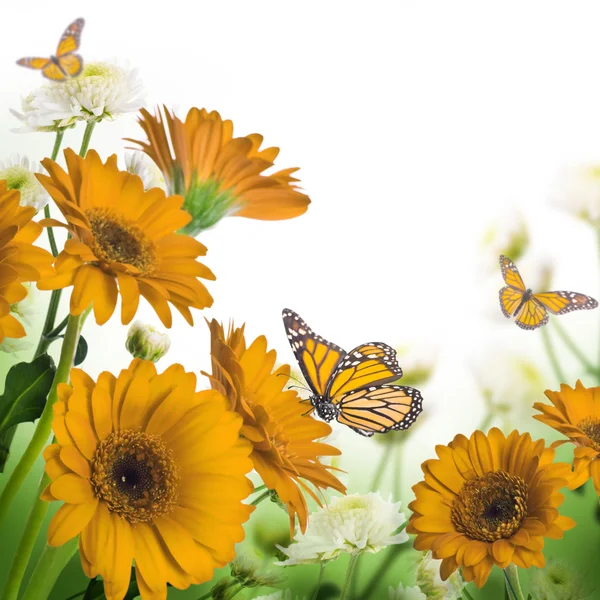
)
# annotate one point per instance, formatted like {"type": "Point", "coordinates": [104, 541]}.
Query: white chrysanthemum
{"type": "Point", "coordinates": [102, 91]}
{"type": "Point", "coordinates": [19, 174]}
{"type": "Point", "coordinates": [557, 581]}
{"type": "Point", "coordinates": [24, 311]}
{"type": "Point", "coordinates": [579, 193]}
{"type": "Point", "coordinates": [406, 593]}
{"type": "Point", "coordinates": [147, 342]}
{"type": "Point", "coordinates": [508, 235]}
{"type": "Point", "coordinates": [428, 579]}
{"type": "Point", "coordinates": [355, 524]}
{"type": "Point", "coordinates": [143, 166]}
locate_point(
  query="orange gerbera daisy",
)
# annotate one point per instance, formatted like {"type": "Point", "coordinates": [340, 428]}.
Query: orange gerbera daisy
{"type": "Point", "coordinates": [20, 260]}
{"type": "Point", "coordinates": [122, 234]}
{"type": "Point", "coordinates": [150, 471]}
{"type": "Point", "coordinates": [576, 414]}
{"type": "Point", "coordinates": [489, 500]}
{"type": "Point", "coordinates": [285, 442]}
{"type": "Point", "coordinates": [218, 174]}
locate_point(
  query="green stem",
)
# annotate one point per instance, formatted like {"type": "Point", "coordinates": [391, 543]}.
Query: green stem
{"type": "Point", "coordinates": [398, 470]}
{"type": "Point", "coordinates": [466, 593]}
{"type": "Point", "coordinates": [87, 136]}
{"type": "Point", "coordinates": [319, 579]}
{"type": "Point", "coordinates": [43, 429]}
{"type": "Point", "coordinates": [513, 586]}
{"type": "Point", "coordinates": [383, 461]}
{"type": "Point", "coordinates": [349, 572]}
{"type": "Point", "coordinates": [49, 566]}
{"type": "Point", "coordinates": [58, 329]}
{"type": "Point", "coordinates": [392, 553]}
{"type": "Point", "coordinates": [57, 144]}
{"type": "Point", "coordinates": [45, 338]}
{"type": "Point", "coordinates": [262, 497]}
{"type": "Point", "coordinates": [552, 355]}
{"type": "Point", "coordinates": [570, 344]}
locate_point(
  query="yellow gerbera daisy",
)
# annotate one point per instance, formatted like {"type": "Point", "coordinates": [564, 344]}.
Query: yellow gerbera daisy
{"type": "Point", "coordinates": [217, 173]}
{"type": "Point", "coordinates": [122, 234]}
{"type": "Point", "coordinates": [576, 414]}
{"type": "Point", "coordinates": [489, 500]}
{"type": "Point", "coordinates": [285, 442]}
{"type": "Point", "coordinates": [20, 260]}
{"type": "Point", "coordinates": [149, 470]}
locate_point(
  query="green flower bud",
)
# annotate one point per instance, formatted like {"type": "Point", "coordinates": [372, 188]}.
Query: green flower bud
{"type": "Point", "coordinates": [557, 581]}
{"type": "Point", "coordinates": [146, 342]}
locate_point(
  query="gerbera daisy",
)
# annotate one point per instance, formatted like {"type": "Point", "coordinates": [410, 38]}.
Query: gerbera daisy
{"type": "Point", "coordinates": [20, 260]}
{"type": "Point", "coordinates": [150, 471]}
{"type": "Point", "coordinates": [489, 500]}
{"type": "Point", "coordinates": [576, 414]}
{"type": "Point", "coordinates": [122, 235]}
{"type": "Point", "coordinates": [286, 446]}
{"type": "Point", "coordinates": [218, 174]}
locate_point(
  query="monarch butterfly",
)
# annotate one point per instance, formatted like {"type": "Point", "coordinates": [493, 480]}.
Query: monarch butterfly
{"type": "Point", "coordinates": [65, 64]}
{"type": "Point", "coordinates": [531, 310]}
{"type": "Point", "coordinates": [349, 386]}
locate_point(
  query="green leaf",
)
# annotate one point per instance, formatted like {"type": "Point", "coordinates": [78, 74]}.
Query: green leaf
{"type": "Point", "coordinates": [81, 351]}
{"type": "Point", "coordinates": [25, 392]}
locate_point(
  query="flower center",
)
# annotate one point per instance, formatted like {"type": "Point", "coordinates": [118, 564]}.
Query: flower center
{"type": "Point", "coordinates": [135, 475]}
{"type": "Point", "coordinates": [591, 428]}
{"type": "Point", "coordinates": [118, 240]}
{"type": "Point", "coordinates": [491, 507]}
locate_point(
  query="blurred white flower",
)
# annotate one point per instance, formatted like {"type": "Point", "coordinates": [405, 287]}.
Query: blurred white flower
{"type": "Point", "coordinates": [579, 193]}
{"type": "Point", "coordinates": [406, 593]}
{"type": "Point", "coordinates": [143, 166]}
{"type": "Point", "coordinates": [19, 173]}
{"type": "Point", "coordinates": [24, 312]}
{"type": "Point", "coordinates": [278, 595]}
{"type": "Point", "coordinates": [102, 91]}
{"type": "Point", "coordinates": [147, 342]}
{"type": "Point", "coordinates": [428, 579]}
{"type": "Point", "coordinates": [354, 524]}
{"type": "Point", "coordinates": [508, 235]}
{"type": "Point", "coordinates": [557, 581]}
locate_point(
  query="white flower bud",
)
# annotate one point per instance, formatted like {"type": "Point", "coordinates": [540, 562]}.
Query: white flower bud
{"type": "Point", "coordinates": [146, 342]}
{"type": "Point", "coordinates": [430, 583]}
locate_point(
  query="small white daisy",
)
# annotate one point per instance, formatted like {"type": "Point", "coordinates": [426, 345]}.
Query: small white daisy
{"type": "Point", "coordinates": [355, 524]}
{"type": "Point", "coordinates": [406, 593]}
{"type": "Point", "coordinates": [428, 579]}
{"type": "Point", "coordinates": [19, 174]}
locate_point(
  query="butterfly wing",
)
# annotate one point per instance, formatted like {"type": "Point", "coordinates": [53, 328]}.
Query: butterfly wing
{"type": "Point", "coordinates": [561, 302]}
{"type": "Point", "coordinates": [368, 364]}
{"type": "Point", "coordinates": [71, 64]}
{"type": "Point", "coordinates": [510, 298]}
{"type": "Point", "coordinates": [532, 315]}
{"type": "Point", "coordinates": [53, 72]}
{"type": "Point", "coordinates": [316, 356]}
{"type": "Point", "coordinates": [379, 409]}
{"type": "Point", "coordinates": [70, 39]}
{"type": "Point", "coordinates": [34, 62]}
{"type": "Point", "coordinates": [511, 274]}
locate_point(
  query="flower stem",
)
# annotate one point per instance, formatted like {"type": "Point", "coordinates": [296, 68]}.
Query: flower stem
{"type": "Point", "coordinates": [383, 461]}
{"type": "Point", "coordinates": [319, 579]}
{"type": "Point", "coordinates": [466, 593]}
{"type": "Point", "coordinates": [44, 425]}
{"type": "Point", "coordinates": [552, 356]}
{"type": "Point", "coordinates": [57, 143]}
{"type": "Point", "coordinates": [398, 447]}
{"type": "Point", "coordinates": [87, 136]}
{"type": "Point", "coordinates": [349, 572]}
{"type": "Point", "coordinates": [513, 586]}
{"type": "Point", "coordinates": [570, 344]}
{"type": "Point", "coordinates": [262, 497]}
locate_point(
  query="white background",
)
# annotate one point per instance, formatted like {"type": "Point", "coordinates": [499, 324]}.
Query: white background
{"type": "Point", "coordinates": [415, 124]}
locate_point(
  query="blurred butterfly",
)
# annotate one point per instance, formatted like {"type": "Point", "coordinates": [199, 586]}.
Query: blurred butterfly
{"type": "Point", "coordinates": [65, 64]}
{"type": "Point", "coordinates": [350, 386]}
{"type": "Point", "coordinates": [531, 310]}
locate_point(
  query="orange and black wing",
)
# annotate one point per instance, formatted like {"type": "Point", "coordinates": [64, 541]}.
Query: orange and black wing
{"type": "Point", "coordinates": [561, 302]}
{"type": "Point", "coordinates": [532, 315]}
{"type": "Point", "coordinates": [316, 356]}
{"type": "Point", "coordinates": [510, 300]}
{"type": "Point", "coordinates": [511, 274]}
{"type": "Point", "coordinates": [368, 364]}
{"type": "Point", "coordinates": [379, 409]}
{"type": "Point", "coordinates": [34, 62]}
{"type": "Point", "coordinates": [70, 39]}
{"type": "Point", "coordinates": [71, 64]}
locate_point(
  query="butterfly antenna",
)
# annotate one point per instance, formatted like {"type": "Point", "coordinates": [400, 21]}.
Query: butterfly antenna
{"type": "Point", "coordinates": [308, 412]}
{"type": "Point", "coordinates": [300, 387]}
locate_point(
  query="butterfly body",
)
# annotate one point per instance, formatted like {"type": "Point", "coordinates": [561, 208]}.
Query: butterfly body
{"type": "Point", "coordinates": [65, 63]}
{"type": "Point", "coordinates": [531, 310]}
{"type": "Point", "coordinates": [353, 387]}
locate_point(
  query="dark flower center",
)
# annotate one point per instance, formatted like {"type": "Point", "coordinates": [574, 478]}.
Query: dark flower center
{"type": "Point", "coordinates": [117, 240]}
{"type": "Point", "coordinates": [135, 475]}
{"type": "Point", "coordinates": [591, 428]}
{"type": "Point", "coordinates": [491, 507]}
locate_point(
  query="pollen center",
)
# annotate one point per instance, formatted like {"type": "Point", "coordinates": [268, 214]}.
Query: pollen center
{"type": "Point", "coordinates": [135, 475]}
{"type": "Point", "coordinates": [118, 240]}
{"type": "Point", "coordinates": [491, 507]}
{"type": "Point", "coordinates": [591, 428]}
